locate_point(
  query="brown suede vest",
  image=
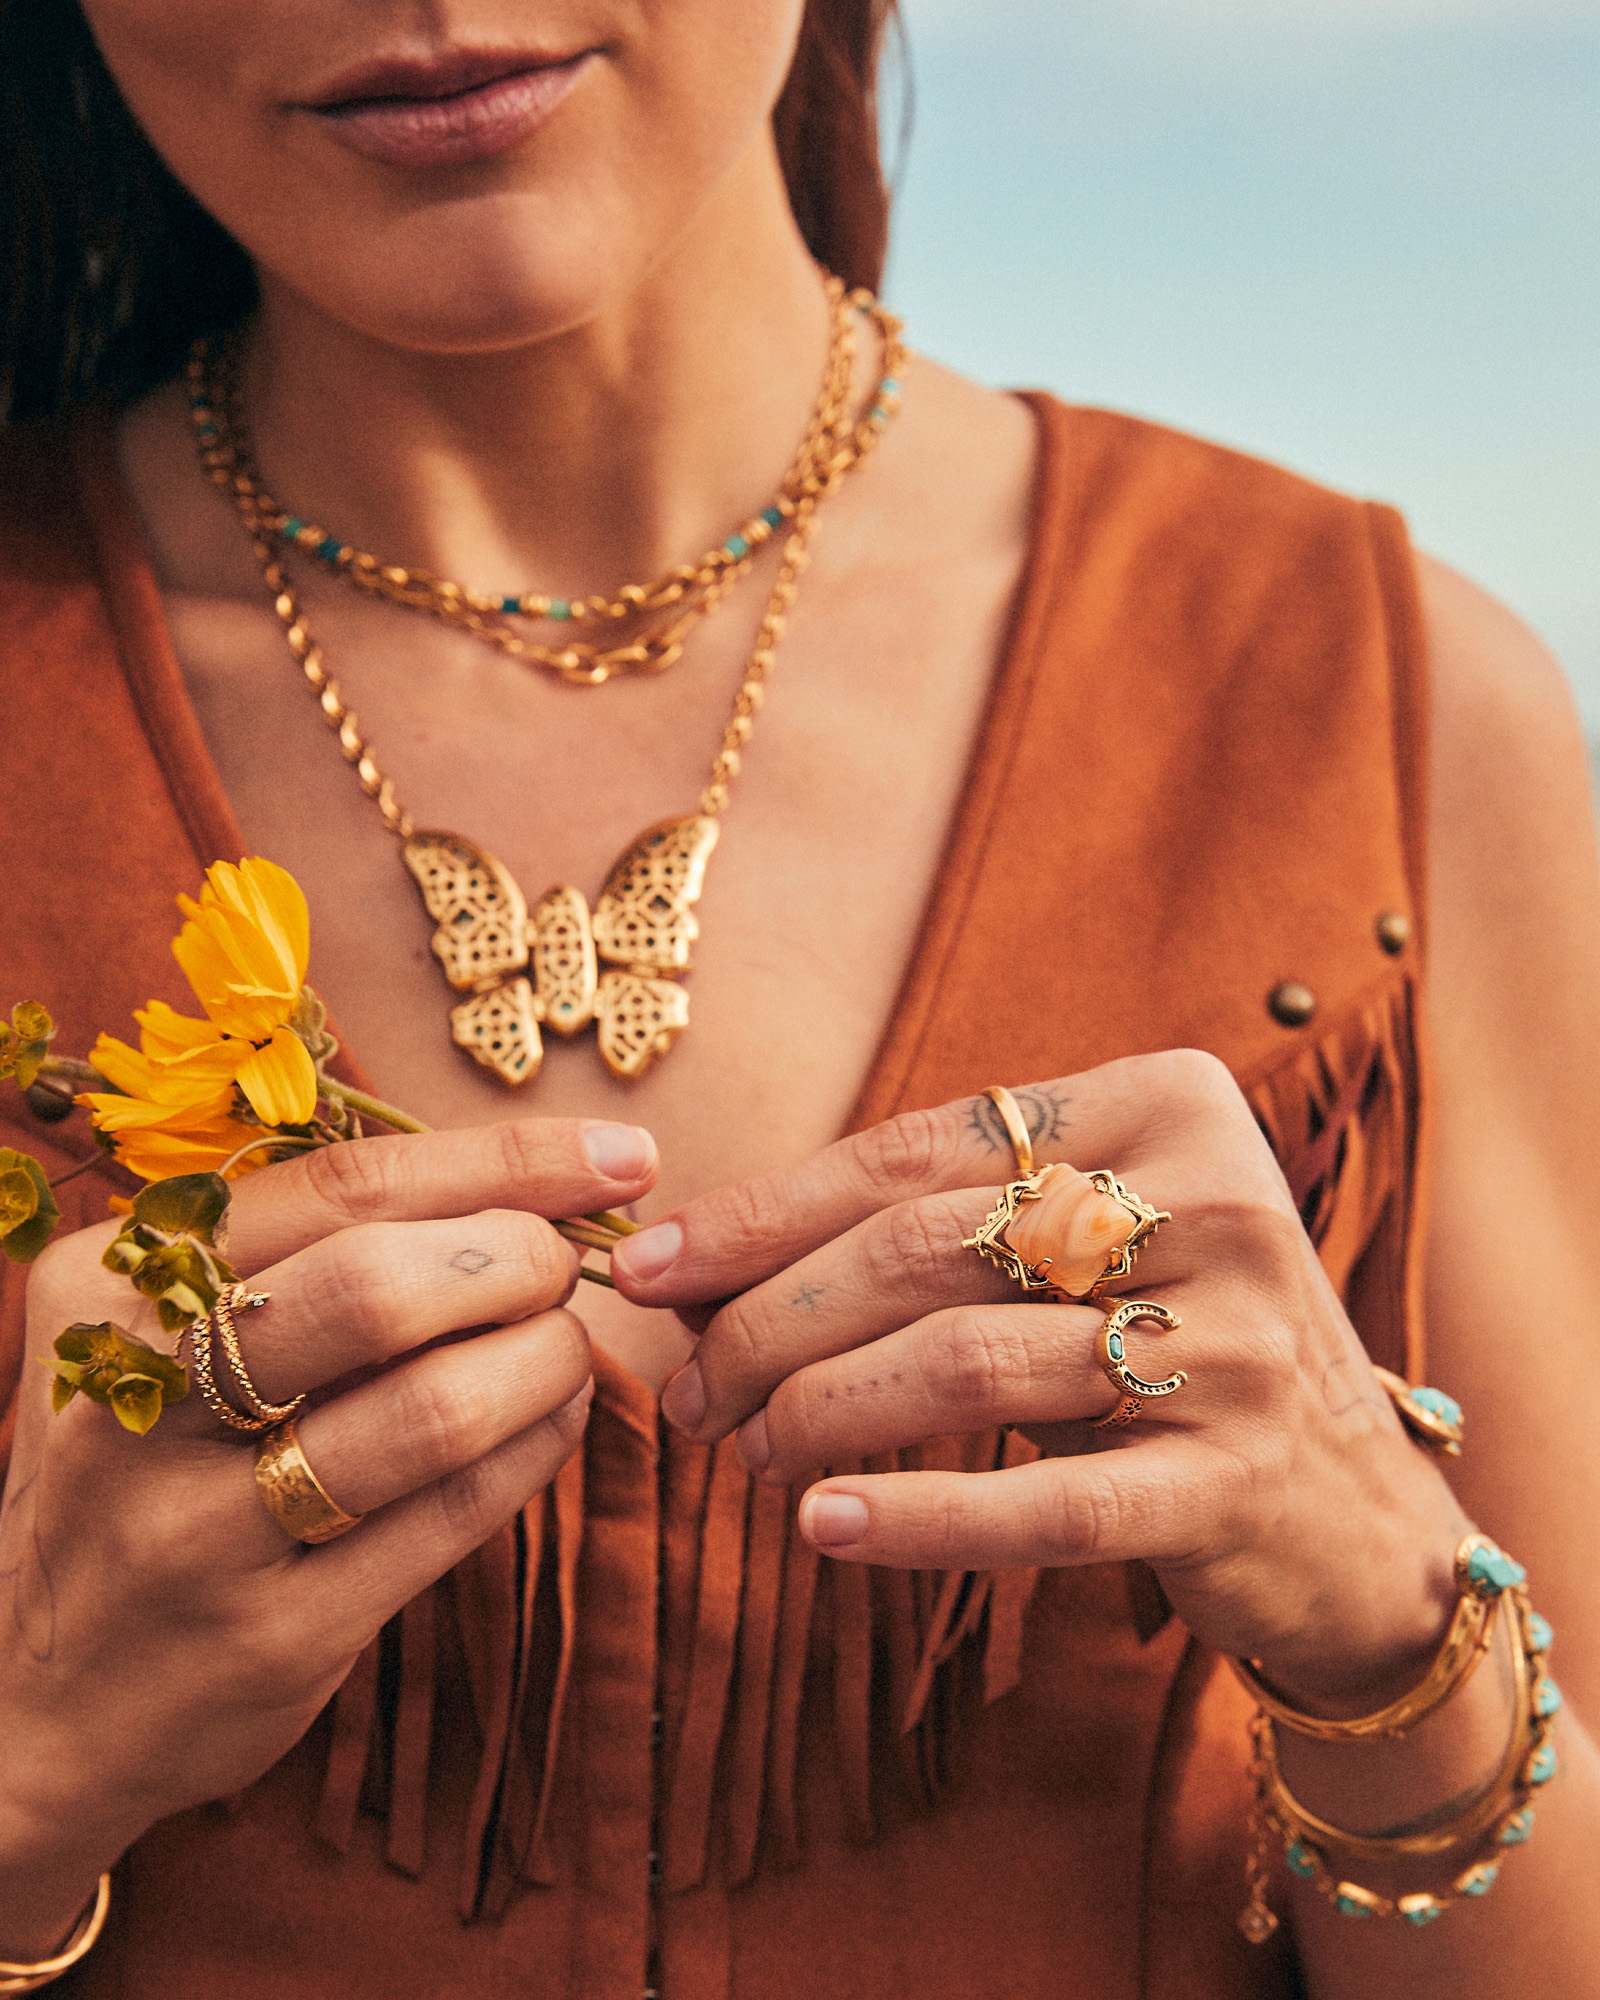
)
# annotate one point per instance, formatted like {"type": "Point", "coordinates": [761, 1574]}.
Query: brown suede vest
{"type": "Point", "coordinates": [1202, 768]}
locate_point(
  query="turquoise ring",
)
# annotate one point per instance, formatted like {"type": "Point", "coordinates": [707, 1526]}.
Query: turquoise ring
{"type": "Point", "coordinates": [1111, 1351]}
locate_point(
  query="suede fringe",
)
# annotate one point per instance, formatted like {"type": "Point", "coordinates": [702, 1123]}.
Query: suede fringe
{"type": "Point", "coordinates": [779, 1644]}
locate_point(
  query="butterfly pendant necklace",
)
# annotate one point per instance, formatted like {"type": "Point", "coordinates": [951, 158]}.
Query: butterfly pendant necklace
{"type": "Point", "coordinates": [563, 965]}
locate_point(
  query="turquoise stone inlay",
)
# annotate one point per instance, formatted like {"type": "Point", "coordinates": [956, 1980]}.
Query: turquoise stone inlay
{"type": "Point", "coordinates": [560, 608]}
{"type": "Point", "coordinates": [889, 386]}
{"type": "Point", "coordinates": [1114, 1346]}
{"type": "Point", "coordinates": [1348, 1906]}
{"type": "Point", "coordinates": [773, 516]}
{"type": "Point", "coordinates": [1480, 1880]}
{"type": "Point", "coordinates": [510, 604]}
{"type": "Point", "coordinates": [1518, 1828]}
{"type": "Point", "coordinates": [737, 546]}
{"type": "Point", "coordinates": [1542, 1765]}
{"type": "Point", "coordinates": [1300, 1858]}
{"type": "Point", "coordinates": [328, 549]}
{"type": "Point", "coordinates": [1546, 1697]}
{"type": "Point", "coordinates": [1541, 1633]}
{"type": "Point", "coordinates": [1441, 1405]}
{"type": "Point", "coordinates": [1422, 1911]}
{"type": "Point", "coordinates": [292, 526]}
{"type": "Point", "coordinates": [1492, 1570]}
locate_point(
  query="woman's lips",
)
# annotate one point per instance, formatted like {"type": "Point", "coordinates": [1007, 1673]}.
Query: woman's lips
{"type": "Point", "coordinates": [447, 131]}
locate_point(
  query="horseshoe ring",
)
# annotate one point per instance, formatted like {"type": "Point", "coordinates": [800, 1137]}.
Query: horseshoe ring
{"type": "Point", "coordinates": [1133, 1391]}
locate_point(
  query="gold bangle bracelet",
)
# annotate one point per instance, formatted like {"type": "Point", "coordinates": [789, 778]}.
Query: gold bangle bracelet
{"type": "Point", "coordinates": [1486, 1808]}
{"type": "Point", "coordinates": [16, 1977]}
{"type": "Point", "coordinates": [1463, 1646]}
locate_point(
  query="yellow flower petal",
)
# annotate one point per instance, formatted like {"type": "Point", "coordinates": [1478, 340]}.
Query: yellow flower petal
{"type": "Point", "coordinates": [280, 1080]}
{"type": "Point", "coordinates": [245, 946]}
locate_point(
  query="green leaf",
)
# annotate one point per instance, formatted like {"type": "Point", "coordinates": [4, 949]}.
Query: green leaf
{"type": "Point", "coordinates": [24, 1235]}
{"type": "Point", "coordinates": [184, 1205]}
{"type": "Point", "coordinates": [137, 1400]}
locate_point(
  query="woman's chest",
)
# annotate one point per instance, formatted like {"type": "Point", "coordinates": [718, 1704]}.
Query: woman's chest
{"type": "Point", "coordinates": [812, 902]}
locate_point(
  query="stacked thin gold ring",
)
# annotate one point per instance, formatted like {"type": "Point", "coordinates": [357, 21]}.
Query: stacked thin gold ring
{"type": "Point", "coordinates": [258, 1414]}
{"type": "Point", "coordinates": [290, 1491]}
{"type": "Point", "coordinates": [1036, 1275]}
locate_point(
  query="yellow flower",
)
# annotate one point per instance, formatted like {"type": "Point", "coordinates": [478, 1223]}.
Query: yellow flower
{"type": "Point", "coordinates": [244, 950]}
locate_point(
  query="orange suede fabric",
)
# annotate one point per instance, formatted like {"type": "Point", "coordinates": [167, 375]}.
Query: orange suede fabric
{"type": "Point", "coordinates": [1202, 773]}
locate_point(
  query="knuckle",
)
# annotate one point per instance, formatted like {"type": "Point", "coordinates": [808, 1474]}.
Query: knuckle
{"type": "Point", "coordinates": [549, 1262]}
{"type": "Point", "coordinates": [567, 1342]}
{"type": "Point", "coordinates": [744, 1219]}
{"type": "Point", "coordinates": [974, 1362]}
{"type": "Point", "coordinates": [902, 1155]}
{"type": "Point", "coordinates": [468, 1502]}
{"type": "Point", "coordinates": [439, 1417]}
{"type": "Point", "coordinates": [349, 1278]}
{"type": "Point", "coordinates": [1076, 1521]}
{"type": "Point", "coordinates": [523, 1150]}
{"type": "Point", "coordinates": [570, 1418]}
{"type": "Point", "coordinates": [357, 1178]}
{"type": "Point", "coordinates": [907, 1237]}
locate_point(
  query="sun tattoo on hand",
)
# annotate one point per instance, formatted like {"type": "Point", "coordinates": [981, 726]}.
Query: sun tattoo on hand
{"type": "Point", "coordinates": [1043, 1107]}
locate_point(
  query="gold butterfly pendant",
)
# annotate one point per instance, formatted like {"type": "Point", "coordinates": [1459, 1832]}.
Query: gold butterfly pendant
{"type": "Point", "coordinates": [643, 927]}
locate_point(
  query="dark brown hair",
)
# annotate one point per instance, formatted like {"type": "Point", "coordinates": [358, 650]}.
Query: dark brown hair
{"type": "Point", "coordinates": [114, 267]}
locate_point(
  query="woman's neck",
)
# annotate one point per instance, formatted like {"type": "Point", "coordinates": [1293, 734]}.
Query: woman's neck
{"type": "Point", "coordinates": [602, 452]}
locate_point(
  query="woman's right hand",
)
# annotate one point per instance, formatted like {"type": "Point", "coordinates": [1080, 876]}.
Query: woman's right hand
{"type": "Point", "coordinates": [162, 1639]}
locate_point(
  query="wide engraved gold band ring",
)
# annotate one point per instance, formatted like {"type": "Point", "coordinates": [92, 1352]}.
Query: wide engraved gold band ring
{"type": "Point", "coordinates": [293, 1494]}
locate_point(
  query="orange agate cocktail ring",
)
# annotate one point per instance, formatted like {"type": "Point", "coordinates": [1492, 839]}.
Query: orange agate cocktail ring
{"type": "Point", "coordinates": [1064, 1234]}
{"type": "Point", "coordinates": [1133, 1391]}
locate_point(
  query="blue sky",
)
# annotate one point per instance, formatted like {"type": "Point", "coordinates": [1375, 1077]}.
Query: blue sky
{"type": "Point", "coordinates": [1357, 236]}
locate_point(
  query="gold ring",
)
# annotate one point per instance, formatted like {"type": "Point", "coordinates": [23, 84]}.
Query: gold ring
{"type": "Point", "coordinates": [1016, 1126]}
{"type": "Point", "coordinates": [1133, 1391]}
{"type": "Point", "coordinates": [201, 1332]}
{"type": "Point", "coordinates": [1063, 1233]}
{"type": "Point", "coordinates": [293, 1494]}
{"type": "Point", "coordinates": [235, 1297]}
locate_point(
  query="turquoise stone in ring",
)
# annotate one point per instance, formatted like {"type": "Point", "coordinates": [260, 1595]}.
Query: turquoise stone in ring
{"type": "Point", "coordinates": [1300, 1859]}
{"type": "Point", "coordinates": [1351, 1906]}
{"type": "Point", "coordinates": [1478, 1880]}
{"type": "Point", "coordinates": [1420, 1909]}
{"type": "Point", "coordinates": [1541, 1633]}
{"type": "Point", "coordinates": [1439, 1404]}
{"type": "Point", "coordinates": [1517, 1829]}
{"type": "Point", "coordinates": [1542, 1765]}
{"type": "Point", "coordinates": [1546, 1697]}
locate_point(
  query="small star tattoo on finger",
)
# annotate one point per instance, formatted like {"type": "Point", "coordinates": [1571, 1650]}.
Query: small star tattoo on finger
{"type": "Point", "coordinates": [471, 1261]}
{"type": "Point", "coordinates": [807, 1296]}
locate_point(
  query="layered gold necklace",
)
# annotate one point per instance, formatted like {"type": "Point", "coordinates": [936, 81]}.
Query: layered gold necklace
{"type": "Point", "coordinates": [525, 971]}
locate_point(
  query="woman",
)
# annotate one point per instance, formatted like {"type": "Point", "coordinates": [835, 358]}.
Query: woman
{"type": "Point", "coordinates": [1134, 772]}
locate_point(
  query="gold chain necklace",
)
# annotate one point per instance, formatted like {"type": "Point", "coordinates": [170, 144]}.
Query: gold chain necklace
{"type": "Point", "coordinates": [643, 924]}
{"type": "Point", "coordinates": [223, 441]}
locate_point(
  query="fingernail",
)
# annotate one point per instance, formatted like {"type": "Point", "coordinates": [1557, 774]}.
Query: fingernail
{"type": "Point", "coordinates": [648, 1254]}
{"type": "Point", "coordinates": [620, 1152]}
{"type": "Point", "coordinates": [751, 1439]}
{"type": "Point", "coordinates": [683, 1400]}
{"type": "Point", "coordinates": [833, 1519]}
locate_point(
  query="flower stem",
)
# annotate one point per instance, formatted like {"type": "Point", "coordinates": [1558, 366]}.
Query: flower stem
{"type": "Point", "coordinates": [74, 1071]}
{"type": "Point", "coordinates": [597, 1277]}
{"type": "Point", "coordinates": [619, 1225]}
{"type": "Point", "coordinates": [266, 1139]}
{"type": "Point", "coordinates": [93, 1164]}
{"type": "Point", "coordinates": [374, 1107]}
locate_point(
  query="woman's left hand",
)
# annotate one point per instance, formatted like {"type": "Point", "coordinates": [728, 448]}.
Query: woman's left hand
{"type": "Point", "coordinates": [1285, 1510]}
